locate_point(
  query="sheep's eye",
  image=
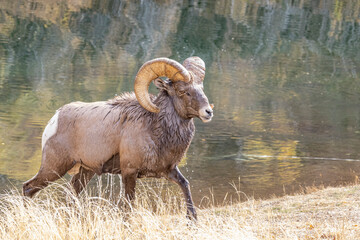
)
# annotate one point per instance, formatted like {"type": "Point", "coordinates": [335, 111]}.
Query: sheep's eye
{"type": "Point", "coordinates": [181, 93]}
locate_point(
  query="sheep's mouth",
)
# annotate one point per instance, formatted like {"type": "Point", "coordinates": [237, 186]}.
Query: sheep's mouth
{"type": "Point", "coordinates": [205, 119]}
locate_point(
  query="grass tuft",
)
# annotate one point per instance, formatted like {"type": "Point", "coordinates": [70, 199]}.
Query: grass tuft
{"type": "Point", "coordinates": [159, 213]}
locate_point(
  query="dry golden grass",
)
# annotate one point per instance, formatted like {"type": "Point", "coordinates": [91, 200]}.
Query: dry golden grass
{"type": "Point", "coordinates": [331, 213]}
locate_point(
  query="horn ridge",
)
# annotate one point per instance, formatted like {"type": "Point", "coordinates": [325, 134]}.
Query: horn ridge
{"type": "Point", "coordinates": [197, 66]}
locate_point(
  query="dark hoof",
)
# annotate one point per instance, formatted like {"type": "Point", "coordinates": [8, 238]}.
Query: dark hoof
{"type": "Point", "coordinates": [192, 216]}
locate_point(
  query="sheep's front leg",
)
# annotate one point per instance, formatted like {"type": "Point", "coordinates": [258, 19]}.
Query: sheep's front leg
{"type": "Point", "coordinates": [129, 181]}
{"type": "Point", "coordinates": [176, 176]}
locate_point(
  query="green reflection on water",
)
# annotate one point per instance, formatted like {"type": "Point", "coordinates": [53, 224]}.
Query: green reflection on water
{"type": "Point", "coordinates": [283, 76]}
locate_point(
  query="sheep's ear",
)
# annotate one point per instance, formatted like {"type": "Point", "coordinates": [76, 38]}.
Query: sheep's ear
{"type": "Point", "coordinates": [163, 84]}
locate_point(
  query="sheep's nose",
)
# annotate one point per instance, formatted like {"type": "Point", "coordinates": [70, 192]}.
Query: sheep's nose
{"type": "Point", "coordinates": [209, 111]}
{"type": "Point", "coordinates": [206, 114]}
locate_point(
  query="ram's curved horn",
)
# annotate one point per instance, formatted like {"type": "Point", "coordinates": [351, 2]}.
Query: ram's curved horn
{"type": "Point", "coordinates": [197, 66]}
{"type": "Point", "coordinates": [158, 67]}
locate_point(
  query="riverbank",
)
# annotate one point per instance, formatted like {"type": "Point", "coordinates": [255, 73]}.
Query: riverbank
{"type": "Point", "coordinates": [331, 213]}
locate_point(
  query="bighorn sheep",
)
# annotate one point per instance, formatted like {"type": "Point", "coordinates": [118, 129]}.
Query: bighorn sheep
{"type": "Point", "coordinates": [135, 134]}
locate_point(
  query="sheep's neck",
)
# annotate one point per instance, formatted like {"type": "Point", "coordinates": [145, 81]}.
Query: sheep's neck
{"type": "Point", "coordinates": [173, 131]}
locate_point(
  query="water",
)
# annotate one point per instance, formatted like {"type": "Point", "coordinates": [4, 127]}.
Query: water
{"type": "Point", "coordinates": [283, 75]}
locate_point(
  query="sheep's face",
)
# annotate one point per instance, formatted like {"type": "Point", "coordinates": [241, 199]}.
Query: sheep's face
{"type": "Point", "coordinates": [189, 99]}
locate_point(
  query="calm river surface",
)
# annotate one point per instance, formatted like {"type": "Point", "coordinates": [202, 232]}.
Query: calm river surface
{"type": "Point", "coordinates": [283, 75]}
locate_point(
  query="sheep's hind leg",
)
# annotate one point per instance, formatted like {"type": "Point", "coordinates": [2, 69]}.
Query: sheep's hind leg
{"type": "Point", "coordinates": [45, 175]}
{"type": "Point", "coordinates": [81, 179]}
{"type": "Point", "coordinates": [176, 176]}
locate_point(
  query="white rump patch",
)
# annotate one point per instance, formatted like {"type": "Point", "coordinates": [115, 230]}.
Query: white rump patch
{"type": "Point", "coordinates": [50, 129]}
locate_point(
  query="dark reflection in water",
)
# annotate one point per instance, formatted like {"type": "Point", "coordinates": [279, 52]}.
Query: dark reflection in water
{"type": "Point", "coordinates": [283, 76]}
